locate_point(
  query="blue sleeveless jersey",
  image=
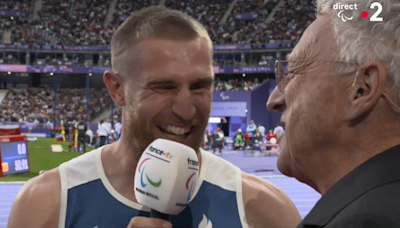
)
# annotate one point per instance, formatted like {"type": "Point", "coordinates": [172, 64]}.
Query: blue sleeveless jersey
{"type": "Point", "coordinates": [89, 201]}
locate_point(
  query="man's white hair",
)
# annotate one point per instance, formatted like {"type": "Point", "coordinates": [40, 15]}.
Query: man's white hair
{"type": "Point", "coordinates": [361, 40]}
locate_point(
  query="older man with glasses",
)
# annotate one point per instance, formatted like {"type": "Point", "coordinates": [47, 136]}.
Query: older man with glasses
{"type": "Point", "coordinates": [339, 92]}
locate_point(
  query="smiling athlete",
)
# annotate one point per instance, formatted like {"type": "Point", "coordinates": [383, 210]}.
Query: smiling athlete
{"type": "Point", "coordinates": [162, 77]}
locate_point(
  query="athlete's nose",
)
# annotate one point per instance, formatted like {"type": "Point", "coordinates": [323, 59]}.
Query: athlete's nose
{"type": "Point", "coordinates": [183, 105]}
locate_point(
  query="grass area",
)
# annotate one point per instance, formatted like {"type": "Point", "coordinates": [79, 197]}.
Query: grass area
{"type": "Point", "coordinates": [41, 158]}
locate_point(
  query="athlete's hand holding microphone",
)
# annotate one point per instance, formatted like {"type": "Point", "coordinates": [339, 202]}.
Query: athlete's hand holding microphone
{"type": "Point", "coordinates": [165, 180]}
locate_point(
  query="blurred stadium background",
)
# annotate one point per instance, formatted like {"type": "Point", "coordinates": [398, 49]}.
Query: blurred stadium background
{"type": "Point", "coordinates": [53, 54]}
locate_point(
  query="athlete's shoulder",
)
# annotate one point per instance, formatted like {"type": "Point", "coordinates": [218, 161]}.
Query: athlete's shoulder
{"type": "Point", "coordinates": [81, 170]}
{"type": "Point", "coordinates": [88, 157]}
{"type": "Point", "coordinates": [219, 172]}
{"type": "Point", "coordinates": [266, 205]}
{"type": "Point", "coordinates": [38, 202]}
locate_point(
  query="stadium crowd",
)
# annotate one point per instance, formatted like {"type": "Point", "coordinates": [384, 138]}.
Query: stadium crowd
{"type": "Point", "coordinates": [85, 22]}
{"type": "Point", "coordinates": [124, 7]}
{"type": "Point", "coordinates": [237, 85]}
{"type": "Point", "coordinates": [35, 105]}
{"type": "Point", "coordinates": [79, 59]}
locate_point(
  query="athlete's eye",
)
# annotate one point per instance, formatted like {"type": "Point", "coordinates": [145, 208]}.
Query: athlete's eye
{"type": "Point", "coordinates": [166, 87]}
{"type": "Point", "coordinates": [198, 87]}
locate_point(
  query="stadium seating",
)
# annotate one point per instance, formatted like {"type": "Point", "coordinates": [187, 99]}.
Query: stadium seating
{"type": "Point", "coordinates": [237, 85]}
{"type": "Point", "coordinates": [208, 12]}
{"type": "Point", "coordinates": [125, 7]}
{"type": "Point", "coordinates": [291, 20]}
{"type": "Point", "coordinates": [35, 105]}
{"type": "Point", "coordinates": [92, 23]}
{"type": "Point", "coordinates": [85, 22]}
{"type": "Point", "coordinates": [250, 31]}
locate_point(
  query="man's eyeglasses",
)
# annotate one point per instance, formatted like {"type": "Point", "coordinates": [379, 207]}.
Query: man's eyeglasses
{"type": "Point", "coordinates": [281, 73]}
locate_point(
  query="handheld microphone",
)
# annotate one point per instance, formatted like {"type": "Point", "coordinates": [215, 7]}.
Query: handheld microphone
{"type": "Point", "coordinates": [166, 177]}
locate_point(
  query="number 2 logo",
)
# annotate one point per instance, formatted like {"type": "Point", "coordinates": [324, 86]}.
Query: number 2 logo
{"type": "Point", "coordinates": [377, 13]}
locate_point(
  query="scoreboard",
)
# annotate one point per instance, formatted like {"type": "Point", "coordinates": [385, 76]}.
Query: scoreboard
{"type": "Point", "coordinates": [13, 155]}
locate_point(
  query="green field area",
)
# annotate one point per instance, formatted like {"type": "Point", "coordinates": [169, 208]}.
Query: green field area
{"type": "Point", "coordinates": [41, 158]}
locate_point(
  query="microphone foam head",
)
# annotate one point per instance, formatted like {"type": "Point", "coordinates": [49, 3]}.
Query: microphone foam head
{"type": "Point", "coordinates": [166, 176]}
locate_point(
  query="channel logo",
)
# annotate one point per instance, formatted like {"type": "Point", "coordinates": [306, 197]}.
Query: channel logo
{"type": "Point", "coordinates": [160, 152]}
{"type": "Point", "coordinates": [153, 183]}
{"type": "Point", "coordinates": [343, 8]}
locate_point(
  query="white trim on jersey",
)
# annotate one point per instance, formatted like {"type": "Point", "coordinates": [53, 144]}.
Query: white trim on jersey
{"type": "Point", "coordinates": [112, 190]}
{"type": "Point", "coordinates": [64, 197]}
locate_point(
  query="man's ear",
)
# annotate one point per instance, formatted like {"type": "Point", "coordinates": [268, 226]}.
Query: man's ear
{"type": "Point", "coordinates": [115, 87]}
{"type": "Point", "coordinates": [367, 88]}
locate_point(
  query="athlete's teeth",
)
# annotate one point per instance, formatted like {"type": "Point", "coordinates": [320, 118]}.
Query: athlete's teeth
{"type": "Point", "coordinates": [177, 130]}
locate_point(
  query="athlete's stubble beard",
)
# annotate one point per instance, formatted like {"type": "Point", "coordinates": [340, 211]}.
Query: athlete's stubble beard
{"type": "Point", "coordinates": [142, 134]}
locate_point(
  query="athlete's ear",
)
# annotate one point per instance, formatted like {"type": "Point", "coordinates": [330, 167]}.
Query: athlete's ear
{"type": "Point", "coordinates": [115, 87]}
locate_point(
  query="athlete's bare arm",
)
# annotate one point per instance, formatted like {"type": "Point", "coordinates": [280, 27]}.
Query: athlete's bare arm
{"type": "Point", "coordinates": [37, 204]}
{"type": "Point", "coordinates": [266, 206]}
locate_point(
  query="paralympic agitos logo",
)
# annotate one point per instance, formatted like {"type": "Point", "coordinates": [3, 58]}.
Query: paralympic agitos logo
{"type": "Point", "coordinates": [191, 189]}
{"type": "Point", "coordinates": [153, 183]}
{"type": "Point", "coordinates": [190, 185]}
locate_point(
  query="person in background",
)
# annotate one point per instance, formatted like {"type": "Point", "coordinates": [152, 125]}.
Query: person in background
{"type": "Point", "coordinates": [103, 133]}
{"type": "Point", "coordinates": [206, 141]}
{"type": "Point", "coordinates": [221, 134]}
{"type": "Point", "coordinates": [74, 141]}
{"type": "Point", "coordinates": [66, 129]}
{"type": "Point", "coordinates": [89, 136]}
{"type": "Point", "coordinates": [112, 137]}
{"type": "Point", "coordinates": [261, 129]}
{"type": "Point", "coordinates": [117, 128]}
{"type": "Point", "coordinates": [246, 138]}
{"type": "Point", "coordinates": [108, 126]}
{"type": "Point", "coordinates": [257, 142]}
{"type": "Point", "coordinates": [258, 138]}
{"type": "Point", "coordinates": [251, 129]}
{"type": "Point", "coordinates": [238, 140]}
{"type": "Point", "coordinates": [217, 143]}
{"type": "Point", "coordinates": [81, 128]}
{"type": "Point", "coordinates": [278, 131]}
{"type": "Point", "coordinates": [63, 133]}
{"type": "Point", "coordinates": [270, 135]}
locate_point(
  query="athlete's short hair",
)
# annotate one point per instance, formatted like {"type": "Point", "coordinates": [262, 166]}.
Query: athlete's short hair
{"type": "Point", "coordinates": [158, 22]}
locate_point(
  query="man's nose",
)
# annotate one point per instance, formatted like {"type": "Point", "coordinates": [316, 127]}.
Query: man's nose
{"type": "Point", "coordinates": [276, 101]}
{"type": "Point", "coordinates": [183, 105]}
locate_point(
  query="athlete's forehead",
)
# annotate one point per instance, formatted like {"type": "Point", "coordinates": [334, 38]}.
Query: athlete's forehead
{"type": "Point", "coordinates": [171, 62]}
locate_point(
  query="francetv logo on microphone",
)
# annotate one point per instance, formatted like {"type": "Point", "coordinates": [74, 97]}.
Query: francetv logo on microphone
{"type": "Point", "coordinates": [166, 176]}
{"type": "Point", "coordinates": [156, 151]}
{"type": "Point", "coordinates": [346, 11]}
